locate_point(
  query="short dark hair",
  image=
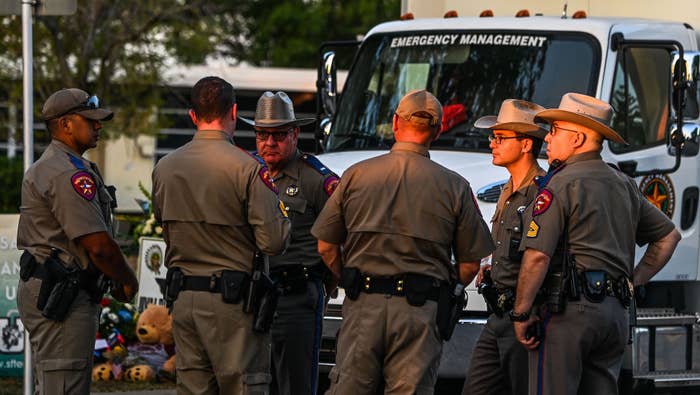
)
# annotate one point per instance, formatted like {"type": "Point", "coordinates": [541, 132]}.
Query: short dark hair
{"type": "Point", "coordinates": [536, 146]}
{"type": "Point", "coordinates": [212, 98]}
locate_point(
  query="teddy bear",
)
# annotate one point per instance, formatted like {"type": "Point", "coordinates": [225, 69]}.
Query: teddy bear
{"type": "Point", "coordinates": [154, 355]}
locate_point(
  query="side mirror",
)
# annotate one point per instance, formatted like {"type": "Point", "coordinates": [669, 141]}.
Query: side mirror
{"type": "Point", "coordinates": [685, 76]}
{"type": "Point", "coordinates": [328, 83]}
{"type": "Point", "coordinates": [323, 131]}
{"type": "Point", "coordinates": [691, 139]}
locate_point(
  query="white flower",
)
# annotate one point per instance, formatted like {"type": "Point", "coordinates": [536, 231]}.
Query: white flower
{"type": "Point", "coordinates": [147, 230]}
{"type": "Point", "coordinates": [159, 230]}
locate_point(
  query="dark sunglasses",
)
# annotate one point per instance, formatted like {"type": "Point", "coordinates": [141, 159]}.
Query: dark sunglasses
{"type": "Point", "coordinates": [277, 136]}
{"type": "Point", "coordinates": [92, 103]}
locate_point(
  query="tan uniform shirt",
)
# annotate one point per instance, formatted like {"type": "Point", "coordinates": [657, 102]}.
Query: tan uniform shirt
{"type": "Point", "coordinates": [217, 205]}
{"type": "Point", "coordinates": [603, 211]}
{"type": "Point", "coordinates": [304, 191]}
{"type": "Point", "coordinates": [507, 226]}
{"type": "Point", "coordinates": [63, 198]}
{"type": "Point", "coordinates": [400, 213]}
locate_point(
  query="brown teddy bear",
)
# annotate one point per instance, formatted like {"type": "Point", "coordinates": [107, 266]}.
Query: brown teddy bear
{"type": "Point", "coordinates": [155, 352]}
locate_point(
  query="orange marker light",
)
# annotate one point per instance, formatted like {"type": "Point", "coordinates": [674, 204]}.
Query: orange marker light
{"type": "Point", "coordinates": [407, 16]}
{"type": "Point", "coordinates": [522, 14]}
{"type": "Point", "coordinates": [580, 14]}
{"type": "Point", "coordinates": [486, 14]}
{"type": "Point", "coordinates": [451, 14]}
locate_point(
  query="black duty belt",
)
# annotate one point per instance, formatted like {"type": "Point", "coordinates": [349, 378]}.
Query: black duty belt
{"type": "Point", "coordinates": [293, 279]}
{"type": "Point", "coordinates": [391, 286]}
{"type": "Point", "coordinates": [202, 283]}
{"type": "Point", "coordinates": [87, 281]}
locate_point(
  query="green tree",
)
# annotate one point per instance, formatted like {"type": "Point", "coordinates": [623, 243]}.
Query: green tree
{"type": "Point", "coordinates": [288, 33]}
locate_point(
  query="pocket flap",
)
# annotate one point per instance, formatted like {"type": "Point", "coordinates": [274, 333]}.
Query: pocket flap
{"type": "Point", "coordinates": [63, 364]}
{"type": "Point", "coordinates": [257, 378]}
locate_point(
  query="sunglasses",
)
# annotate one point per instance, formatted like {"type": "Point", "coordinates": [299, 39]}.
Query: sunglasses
{"type": "Point", "coordinates": [277, 136]}
{"type": "Point", "coordinates": [92, 103]}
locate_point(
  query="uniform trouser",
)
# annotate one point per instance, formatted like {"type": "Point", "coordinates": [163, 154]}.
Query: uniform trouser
{"type": "Point", "coordinates": [383, 338]}
{"type": "Point", "coordinates": [217, 350]}
{"type": "Point", "coordinates": [582, 349]}
{"type": "Point", "coordinates": [499, 363]}
{"type": "Point", "coordinates": [61, 351]}
{"type": "Point", "coordinates": [296, 338]}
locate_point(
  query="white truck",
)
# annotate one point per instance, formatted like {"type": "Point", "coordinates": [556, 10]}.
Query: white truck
{"type": "Point", "coordinates": [647, 69]}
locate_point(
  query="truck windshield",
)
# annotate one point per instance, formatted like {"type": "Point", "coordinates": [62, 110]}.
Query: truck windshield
{"type": "Point", "coordinates": [471, 73]}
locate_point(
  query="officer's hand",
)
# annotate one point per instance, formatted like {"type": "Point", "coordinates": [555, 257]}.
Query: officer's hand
{"type": "Point", "coordinates": [480, 275]}
{"type": "Point", "coordinates": [124, 293]}
{"type": "Point", "coordinates": [521, 333]}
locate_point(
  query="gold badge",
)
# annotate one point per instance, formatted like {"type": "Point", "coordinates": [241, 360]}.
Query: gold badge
{"type": "Point", "coordinates": [534, 229]}
{"type": "Point", "coordinates": [292, 190]}
{"type": "Point", "coordinates": [283, 210]}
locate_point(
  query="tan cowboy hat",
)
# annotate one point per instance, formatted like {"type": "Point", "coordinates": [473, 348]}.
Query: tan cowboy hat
{"type": "Point", "coordinates": [515, 115]}
{"type": "Point", "coordinates": [583, 110]}
{"type": "Point", "coordinates": [273, 110]}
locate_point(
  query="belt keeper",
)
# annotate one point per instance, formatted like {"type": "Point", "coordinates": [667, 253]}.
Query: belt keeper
{"type": "Point", "coordinates": [212, 282]}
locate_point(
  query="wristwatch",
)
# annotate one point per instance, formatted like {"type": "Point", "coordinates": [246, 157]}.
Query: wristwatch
{"type": "Point", "coordinates": [519, 317]}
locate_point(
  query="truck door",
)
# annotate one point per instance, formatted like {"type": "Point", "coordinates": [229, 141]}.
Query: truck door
{"type": "Point", "coordinates": [641, 96]}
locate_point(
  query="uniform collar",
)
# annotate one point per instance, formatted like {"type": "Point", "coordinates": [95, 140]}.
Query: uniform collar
{"type": "Point", "coordinates": [412, 147]}
{"type": "Point", "coordinates": [211, 135]}
{"type": "Point", "coordinates": [533, 172]}
{"type": "Point", "coordinates": [584, 156]}
{"type": "Point", "coordinates": [64, 147]}
{"type": "Point", "coordinates": [291, 169]}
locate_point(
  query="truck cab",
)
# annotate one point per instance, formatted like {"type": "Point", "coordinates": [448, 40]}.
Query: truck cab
{"type": "Point", "coordinates": [646, 69]}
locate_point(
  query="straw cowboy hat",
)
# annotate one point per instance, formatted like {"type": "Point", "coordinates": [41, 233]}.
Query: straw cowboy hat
{"type": "Point", "coordinates": [515, 115]}
{"type": "Point", "coordinates": [585, 111]}
{"type": "Point", "coordinates": [273, 110]}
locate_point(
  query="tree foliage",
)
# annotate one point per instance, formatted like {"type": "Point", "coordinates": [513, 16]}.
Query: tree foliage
{"type": "Point", "coordinates": [288, 33]}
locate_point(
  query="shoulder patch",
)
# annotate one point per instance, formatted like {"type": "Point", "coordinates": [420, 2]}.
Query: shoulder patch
{"type": "Point", "coordinates": [542, 202]}
{"type": "Point", "coordinates": [266, 178]}
{"type": "Point", "coordinates": [330, 184]}
{"type": "Point", "coordinates": [84, 185]}
{"type": "Point", "coordinates": [533, 230]}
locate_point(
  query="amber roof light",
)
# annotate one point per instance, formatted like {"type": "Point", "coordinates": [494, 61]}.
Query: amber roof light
{"type": "Point", "coordinates": [522, 14]}
{"type": "Point", "coordinates": [580, 14]}
{"type": "Point", "coordinates": [486, 14]}
{"type": "Point", "coordinates": [407, 16]}
{"type": "Point", "coordinates": [451, 14]}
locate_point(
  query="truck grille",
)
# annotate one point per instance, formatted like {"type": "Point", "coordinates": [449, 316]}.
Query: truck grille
{"type": "Point", "coordinates": [491, 192]}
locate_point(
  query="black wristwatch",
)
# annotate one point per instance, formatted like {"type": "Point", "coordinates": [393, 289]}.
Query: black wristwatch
{"type": "Point", "coordinates": [519, 317]}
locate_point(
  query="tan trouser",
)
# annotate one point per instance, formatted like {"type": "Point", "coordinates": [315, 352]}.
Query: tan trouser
{"type": "Point", "coordinates": [582, 350]}
{"type": "Point", "coordinates": [61, 351]}
{"type": "Point", "coordinates": [217, 350]}
{"type": "Point", "coordinates": [385, 338]}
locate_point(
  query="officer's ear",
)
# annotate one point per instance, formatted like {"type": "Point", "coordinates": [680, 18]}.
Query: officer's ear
{"type": "Point", "coordinates": [193, 116]}
{"type": "Point", "coordinates": [527, 145]}
{"type": "Point", "coordinates": [234, 111]}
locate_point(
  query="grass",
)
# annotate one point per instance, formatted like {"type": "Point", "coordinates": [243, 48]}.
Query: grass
{"type": "Point", "coordinates": [13, 386]}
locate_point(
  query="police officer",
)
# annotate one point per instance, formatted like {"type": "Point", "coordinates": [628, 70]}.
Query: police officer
{"type": "Point", "coordinates": [218, 205]}
{"type": "Point", "coordinates": [304, 184]}
{"type": "Point", "coordinates": [499, 362]}
{"type": "Point", "coordinates": [591, 215]}
{"type": "Point", "coordinates": [65, 230]}
{"type": "Point", "coordinates": [399, 218]}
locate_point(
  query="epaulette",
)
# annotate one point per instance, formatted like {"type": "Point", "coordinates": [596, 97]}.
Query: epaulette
{"type": "Point", "coordinates": [316, 164]}
{"type": "Point", "coordinates": [77, 162]}
{"type": "Point", "coordinates": [554, 168]}
{"type": "Point", "coordinates": [331, 179]}
{"type": "Point", "coordinates": [614, 166]}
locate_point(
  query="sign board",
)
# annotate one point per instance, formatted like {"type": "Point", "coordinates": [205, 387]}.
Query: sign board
{"type": "Point", "coordinates": [42, 7]}
{"type": "Point", "coordinates": [151, 272]}
{"type": "Point", "coordinates": [11, 328]}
